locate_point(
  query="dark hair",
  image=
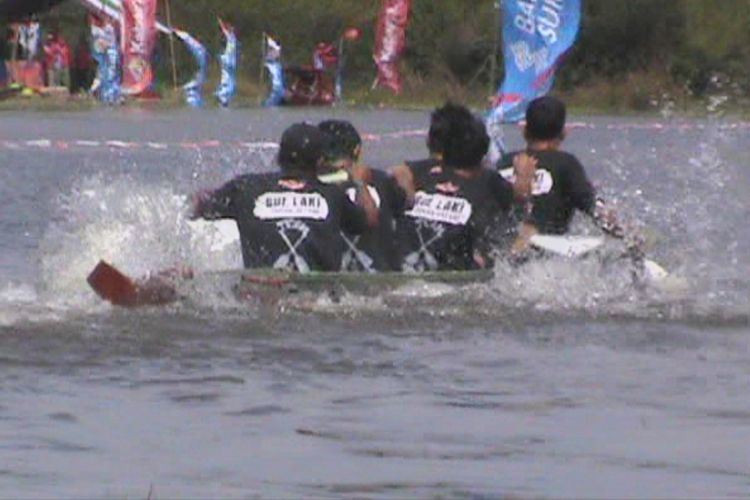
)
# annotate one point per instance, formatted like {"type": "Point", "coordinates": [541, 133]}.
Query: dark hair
{"type": "Point", "coordinates": [301, 147]}
{"type": "Point", "coordinates": [439, 125]}
{"type": "Point", "coordinates": [343, 139]}
{"type": "Point", "coordinates": [545, 119]}
{"type": "Point", "coordinates": [466, 140]}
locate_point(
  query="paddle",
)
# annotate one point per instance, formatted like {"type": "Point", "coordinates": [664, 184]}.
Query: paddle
{"type": "Point", "coordinates": [578, 246]}
{"type": "Point", "coordinates": [114, 286]}
{"type": "Point", "coordinates": [567, 246]}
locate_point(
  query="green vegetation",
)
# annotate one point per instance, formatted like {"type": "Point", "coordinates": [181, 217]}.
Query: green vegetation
{"type": "Point", "coordinates": [631, 54]}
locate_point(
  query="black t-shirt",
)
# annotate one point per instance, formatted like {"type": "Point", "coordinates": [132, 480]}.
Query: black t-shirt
{"type": "Point", "coordinates": [560, 187]}
{"type": "Point", "coordinates": [286, 222]}
{"type": "Point", "coordinates": [375, 249]}
{"type": "Point", "coordinates": [453, 219]}
{"type": "Point", "coordinates": [422, 168]}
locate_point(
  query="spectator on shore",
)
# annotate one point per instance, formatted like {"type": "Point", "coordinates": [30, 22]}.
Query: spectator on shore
{"type": "Point", "coordinates": [57, 59]}
{"type": "Point", "coordinates": [83, 66]}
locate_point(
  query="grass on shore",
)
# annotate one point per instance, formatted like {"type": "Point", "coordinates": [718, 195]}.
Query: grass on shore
{"type": "Point", "coordinates": [636, 94]}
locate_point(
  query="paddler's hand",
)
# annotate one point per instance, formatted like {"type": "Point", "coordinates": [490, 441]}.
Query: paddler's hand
{"type": "Point", "coordinates": [522, 244]}
{"type": "Point", "coordinates": [196, 201]}
{"type": "Point", "coordinates": [361, 173]}
{"type": "Point", "coordinates": [634, 247]}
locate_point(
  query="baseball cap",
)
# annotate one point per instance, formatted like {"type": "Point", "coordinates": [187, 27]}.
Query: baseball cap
{"type": "Point", "coordinates": [301, 146]}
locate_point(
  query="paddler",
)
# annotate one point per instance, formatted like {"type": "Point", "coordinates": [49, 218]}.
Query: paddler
{"type": "Point", "coordinates": [560, 185]}
{"type": "Point", "coordinates": [410, 174]}
{"type": "Point", "coordinates": [459, 206]}
{"type": "Point", "coordinates": [374, 250]}
{"type": "Point", "coordinates": [289, 219]}
{"type": "Point", "coordinates": [406, 173]}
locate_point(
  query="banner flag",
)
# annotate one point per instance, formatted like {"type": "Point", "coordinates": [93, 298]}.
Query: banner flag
{"type": "Point", "coordinates": [29, 39]}
{"type": "Point", "coordinates": [112, 87]}
{"type": "Point", "coordinates": [536, 34]}
{"type": "Point", "coordinates": [113, 10]}
{"type": "Point", "coordinates": [138, 38]}
{"type": "Point", "coordinates": [228, 84]}
{"type": "Point", "coordinates": [105, 52]}
{"type": "Point", "coordinates": [109, 8]}
{"type": "Point", "coordinates": [276, 70]}
{"type": "Point", "coordinates": [390, 40]}
{"type": "Point", "coordinates": [194, 88]}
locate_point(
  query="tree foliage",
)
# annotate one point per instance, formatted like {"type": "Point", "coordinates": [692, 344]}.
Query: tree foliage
{"type": "Point", "coordinates": [453, 40]}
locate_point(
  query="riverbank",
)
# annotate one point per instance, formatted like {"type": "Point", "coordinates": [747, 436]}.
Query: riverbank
{"type": "Point", "coordinates": [635, 95]}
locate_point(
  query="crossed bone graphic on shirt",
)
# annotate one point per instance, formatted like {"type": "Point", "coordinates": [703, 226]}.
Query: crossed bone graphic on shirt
{"type": "Point", "coordinates": [422, 259]}
{"type": "Point", "coordinates": [355, 259]}
{"type": "Point", "coordinates": [292, 259]}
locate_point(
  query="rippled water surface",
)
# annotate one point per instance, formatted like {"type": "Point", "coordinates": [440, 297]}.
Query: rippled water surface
{"type": "Point", "coordinates": [557, 379]}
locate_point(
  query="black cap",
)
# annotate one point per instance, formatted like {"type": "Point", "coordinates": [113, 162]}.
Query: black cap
{"type": "Point", "coordinates": [344, 139]}
{"type": "Point", "coordinates": [302, 145]}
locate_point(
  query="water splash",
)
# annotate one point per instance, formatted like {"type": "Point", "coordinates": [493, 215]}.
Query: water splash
{"type": "Point", "coordinates": [668, 188]}
{"type": "Point", "coordinates": [135, 226]}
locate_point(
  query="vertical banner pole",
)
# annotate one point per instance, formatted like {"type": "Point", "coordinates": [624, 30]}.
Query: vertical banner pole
{"type": "Point", "coordinates": [495, 47]}
{"type": "Point", "coordinates": [262, 57]}
{"type": "Point", "coordinates": [14, 53]}
{"type": "Point", "coordinates": [171, 43]}
{"type": "Point", "coordinates": [340, 72]}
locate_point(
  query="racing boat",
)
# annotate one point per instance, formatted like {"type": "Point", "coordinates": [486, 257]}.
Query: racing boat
{"type": "Point", "coordinates": [166, 287]}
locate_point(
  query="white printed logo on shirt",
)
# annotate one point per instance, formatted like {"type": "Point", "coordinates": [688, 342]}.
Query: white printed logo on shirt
{"type": "Point", "coordinates": [542, 180]}
{"type": "Point", "coordinates": [440, 208]}
{"type": "Point", "coordinates": [285, 205]}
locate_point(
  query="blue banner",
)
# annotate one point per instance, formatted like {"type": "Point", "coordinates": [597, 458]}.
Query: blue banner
{"type": "Point", "coordinates": [536, 34]}
{"type": "Point", "coordinates": [105, 52]}
{"type": "Point", "coordinates": [194, 88]}
{"type": "Point", "coordinates": [112, 84]}
{"type": "Point", "coordinates": [276, 70]}
{"type": "Point", "coordinates": [228, 84]}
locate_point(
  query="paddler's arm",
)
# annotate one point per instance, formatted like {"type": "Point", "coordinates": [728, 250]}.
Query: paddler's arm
{"type": "Point", "coordinates": [606, 219]}
{"type": "Point", "coordinates": [404, 178]}
{"type": "Point", "coordinates": [361, 176]}
{"type": "Point", "coordinates": [214, 203]}
{"type": "Point", "coordinates": [198, 203]}
{"type": "Point", "coordinates": [524, 168]}
{"type": "Point", "coordinates": [396, 197]}
{"type": "Point", "coordinates": [523, 241]}
{"type": "Point", "coordinates": [583, 197]}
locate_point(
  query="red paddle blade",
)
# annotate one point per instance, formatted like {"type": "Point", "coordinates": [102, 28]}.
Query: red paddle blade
{"type": "Point", "coordinates": [113, 286]}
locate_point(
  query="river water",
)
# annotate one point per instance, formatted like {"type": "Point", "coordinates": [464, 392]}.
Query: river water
{"type": "Point", "coordinates": [557, 379]}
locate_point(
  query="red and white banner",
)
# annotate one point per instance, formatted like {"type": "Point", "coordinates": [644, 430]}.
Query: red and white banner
{"type": "Point", "coordinates": [138, 39]}
{"type": "Point", "coordinates": [390, 40]}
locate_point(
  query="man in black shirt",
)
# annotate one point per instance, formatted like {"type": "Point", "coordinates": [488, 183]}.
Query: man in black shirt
{"type": "Point", "coordinates": [560, 184]}
{"type": "Point", "coordinates": [411, 173]}
{"type": "Point", "coordinates": [290, 220]}
{"type": "Point", "coordinates": [406, 174]}
{"type": "Point", "coordinates": [457, 203]}
{"type": "Point", "coordinates": [374, 250]}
